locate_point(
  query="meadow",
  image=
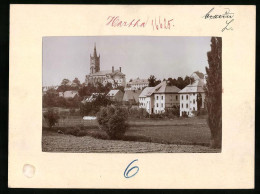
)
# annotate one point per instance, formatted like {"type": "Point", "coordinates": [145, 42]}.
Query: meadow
{"type": "Point", "coordinates": [191, 133]}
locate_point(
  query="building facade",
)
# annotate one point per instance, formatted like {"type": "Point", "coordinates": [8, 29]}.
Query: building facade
{"type": "Point", "coordinates": [69, 94]}
{"type": "Point", "coordinates": [115, 95]}
{"type": "Point", "coordinates": [131, 97]}
{"type": "Point", "coordinates": [159, 98]}
{"type": "Point", "coordinates": [137, 84]}
{"type": "Point", "coordinates": [115, 77]}
{"type": "Point", "coordinates": [189, 97]}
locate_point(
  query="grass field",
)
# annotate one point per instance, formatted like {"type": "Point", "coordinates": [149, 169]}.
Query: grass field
{"type": "Point", "coordinates": [192, 132]}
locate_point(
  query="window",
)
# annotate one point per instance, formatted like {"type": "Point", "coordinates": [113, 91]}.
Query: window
{"type": "Point", "coordinates": [193, 101]}
{"type": "Point", "coordinates": [157, 104]}
{"type": "Point", "coordinates": [182, 105]}
{"type": "Point", "coordinates": [162, 97]}
{"type": "Point", "coordinates": [186, 105]}
{"type": "Point", "coordinates": [162, 105]}
{"type": "Point", "coordinates": [187, 97]}
{"type": "Point", "coordinates": [157, 97]}
{"type": "Point", "coordinates": [182, 97]}
{"type": "Point", "coordinates": [176, 97]}
{"type": "Point", "coordinates": [193, 108]}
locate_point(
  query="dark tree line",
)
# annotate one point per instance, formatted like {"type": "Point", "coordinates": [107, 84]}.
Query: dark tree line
{"type": "Point", "coordinates": [52, 99]}
{"type": "Point", "coordinates": [67, 85]}
{"type": "Point", "coordinates": [179, 82]}
{"type": "Point", "coordinates": [90, 88]}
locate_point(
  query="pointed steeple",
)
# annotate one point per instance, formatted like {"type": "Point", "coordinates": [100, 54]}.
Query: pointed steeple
{"type": "Point", "coordinates": [95, 51]}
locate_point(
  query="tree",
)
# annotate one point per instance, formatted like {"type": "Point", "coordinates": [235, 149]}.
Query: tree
{"type": "Point", "coordinates": [188, 80]}
{"type": "Point", "coordinates": [87, 90]}
{"type": "Point", "coordinates": [121, 88]}
{"type": "Point", "coordinates": [91, 108]}
{"type": "Point", "coordinates": [152, 81]}
{"type": "Point", "coordinates": [113, 121]}
{"type": "Point", "coordinates": [50, 98]}
{"type": "Point", "coordinates": [51, 117]}
{"type": "Point", "coordinates": [213, 91]}
{"type": "Point", "coordinates": [157, 82]}
{"type": "Point", "coordinates": [65, 82]}
{"type": "Point", "coordinates": [64, 86]}
{"type": "Point", "coordinates": [76, 83]}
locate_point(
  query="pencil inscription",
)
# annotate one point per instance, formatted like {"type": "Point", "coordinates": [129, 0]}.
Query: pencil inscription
{"type": "Point", "coordinates": [226, 15]}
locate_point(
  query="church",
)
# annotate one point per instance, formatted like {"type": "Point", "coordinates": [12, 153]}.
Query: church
{"type": "Point", "coordinates": [115, 77]}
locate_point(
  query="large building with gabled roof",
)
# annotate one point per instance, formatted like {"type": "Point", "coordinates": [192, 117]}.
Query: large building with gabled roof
{"type": "Point", "coordinates": [159, 98]}
{"type": "Point", "coordinates": [115, 77]}
{"type": "Point", "coordinates": [189, 97]}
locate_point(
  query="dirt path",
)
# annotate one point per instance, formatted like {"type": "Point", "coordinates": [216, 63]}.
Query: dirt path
{"type": "Point", "coordinates": [67, 143]}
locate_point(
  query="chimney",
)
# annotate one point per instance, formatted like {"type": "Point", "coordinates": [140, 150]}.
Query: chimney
{"type": "Point", "coordinates": [112, 68]}
{"type": "Point", "coordinates": [120, 69]}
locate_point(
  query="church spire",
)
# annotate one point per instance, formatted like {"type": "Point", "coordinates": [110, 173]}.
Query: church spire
{"type": "Point", "coordinates": [94, 61]}
{"type": "Point", "coordinates": [95, 51]}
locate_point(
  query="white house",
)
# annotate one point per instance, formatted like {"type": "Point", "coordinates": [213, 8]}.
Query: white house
{"type": "Point", "coordinates": [165, 97]}
{"type": "Point", "coordinates": [159, 98]}
{"type": "Point", "coordinates": [137, 84]}
{"type": "Point", "coordinates": [115, 95]}
{"type": "Point", "coordinates": [189, 96]}
{"type": "Point", "coordinates": [68, 94]}
{"type": "Point", "coordinates": [144, 98]}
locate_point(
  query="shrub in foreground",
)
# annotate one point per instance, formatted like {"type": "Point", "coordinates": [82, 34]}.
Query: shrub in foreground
{"type": "Point", "coordinates": [51, 117]}
{"type": "Point", "coordinates": [113, 120]}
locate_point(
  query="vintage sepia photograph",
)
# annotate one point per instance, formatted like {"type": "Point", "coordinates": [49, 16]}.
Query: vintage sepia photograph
{"type": "Point", "coordinates": [132, 94]}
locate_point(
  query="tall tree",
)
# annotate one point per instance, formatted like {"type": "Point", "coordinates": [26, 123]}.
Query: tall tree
{"type": "Point", "coordinates": [64, 86]}
{"type": "Point", "coordinates": [213, 91]}
{"type": "Point", "coordinates": [152, 81]}
{"type": "Point", "coordinates": [76, 83]}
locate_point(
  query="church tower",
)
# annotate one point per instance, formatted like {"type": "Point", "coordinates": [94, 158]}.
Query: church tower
{"type": "Point", "coordinates": [94, 62]}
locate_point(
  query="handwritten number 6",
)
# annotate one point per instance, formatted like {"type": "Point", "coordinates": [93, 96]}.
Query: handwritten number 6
{"type": "Point", "coordinates": [128, 171]}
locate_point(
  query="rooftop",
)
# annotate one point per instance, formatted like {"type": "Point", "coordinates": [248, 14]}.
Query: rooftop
{"type": "Point", "coordinates": [112, 92]}
{"type": "Point", "coordinates": [131, 95]}
{"type": "Point", "coordinates": [106, 72]}
{"type": "Point", "coordinates": [146, 92]}
{"type": "Point", "coordinates": [196, 87]}
{"type": "Point", "coordinates": [139, 81]}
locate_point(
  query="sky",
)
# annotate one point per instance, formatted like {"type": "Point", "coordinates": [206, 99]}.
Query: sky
{"type": "Point", "coordinates": [139, 56]}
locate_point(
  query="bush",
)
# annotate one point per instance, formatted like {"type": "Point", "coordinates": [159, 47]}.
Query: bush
{"type": "Point", "coordinates": [51, 117]}
{"type": "Point", "coordinates": [184, 114]}
{"type": "Point", "coordinates": [203, 111]}
{"type": "Point", "coordinates": [138, 113]}
{"type": "Point", "coordinates": [92, 108]}
{"type": "Point", "coordinates": [156, 116]}
{"type": "Point", "coordinates": [195, 113]}
{"type": "Point", "coordinates": [113, 121]}
{"type": "Point", "coordinates": [72, 111]}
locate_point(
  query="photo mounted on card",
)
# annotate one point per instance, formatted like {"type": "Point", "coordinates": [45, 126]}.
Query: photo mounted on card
{"type": "Point", "coordinates": [121, 96]}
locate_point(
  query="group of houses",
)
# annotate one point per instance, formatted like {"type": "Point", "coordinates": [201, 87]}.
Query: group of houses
{"type": "Point", "coordinates": [155, 100]}
{"type": "Point", "coordinates": [162, 97]}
